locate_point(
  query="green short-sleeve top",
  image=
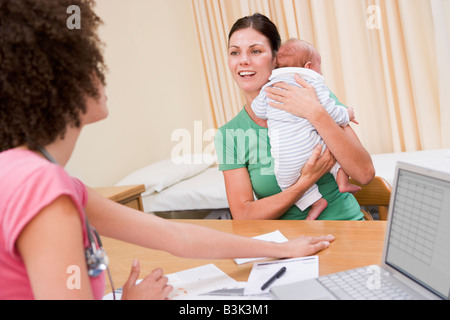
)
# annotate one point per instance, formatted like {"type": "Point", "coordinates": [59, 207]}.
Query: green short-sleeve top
{"type": "Point", "coordinates": [241, 143]}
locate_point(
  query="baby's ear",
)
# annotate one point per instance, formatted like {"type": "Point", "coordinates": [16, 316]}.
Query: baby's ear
{"type": "Point", "coordinates": [308, 65]}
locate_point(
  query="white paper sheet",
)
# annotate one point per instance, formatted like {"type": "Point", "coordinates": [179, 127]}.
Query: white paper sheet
{"type": "Point", "coordinates": [190, 283]}
{"type": "Point", "coordinates": [275, 236]}
{"type": "Point", "coordinates": [224, 295]}
{"type": "Point", "coordinates": [297, 269]}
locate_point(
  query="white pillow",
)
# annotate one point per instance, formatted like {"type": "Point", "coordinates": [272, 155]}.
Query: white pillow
{"type": "Point", "coordinates": [205, 190]}
{"type": "Point", "coordinates": [160, 175]}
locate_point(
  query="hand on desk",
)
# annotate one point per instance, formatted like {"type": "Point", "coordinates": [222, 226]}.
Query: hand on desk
{"type": "Point", "coordinates": [152, 287]}
{"type": "Point", "coordinates": [305, 246]}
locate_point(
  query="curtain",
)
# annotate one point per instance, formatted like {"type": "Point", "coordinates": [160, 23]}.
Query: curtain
{"type": "Point", "coordinates": [388, 59]}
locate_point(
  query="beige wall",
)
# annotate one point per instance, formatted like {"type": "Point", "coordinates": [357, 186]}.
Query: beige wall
{"type": "Point", "coordinates": [155, 86]}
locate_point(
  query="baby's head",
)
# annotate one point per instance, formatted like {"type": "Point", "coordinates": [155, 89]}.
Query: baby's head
{"type": "Point", "coordinates": [299, 53]}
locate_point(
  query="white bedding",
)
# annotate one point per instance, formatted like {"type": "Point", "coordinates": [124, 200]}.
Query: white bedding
{"type": "Point", "coordinates": [384, 163]}
{"type": "Point", "coordinates": [196, 187]}
{"type": "Point", "coordinates": [165, 173]}
{"type": "Point", "coordinates": [205, 190]}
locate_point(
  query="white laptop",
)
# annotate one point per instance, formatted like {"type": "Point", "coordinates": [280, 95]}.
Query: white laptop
{"type": "Point", "coordinates": [416, 254]}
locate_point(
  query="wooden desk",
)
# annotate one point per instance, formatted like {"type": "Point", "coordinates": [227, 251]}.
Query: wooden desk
{"type": "Point", "coordinates": [127, 195]}
{"type": "Point", "coordinates": [357, 244]}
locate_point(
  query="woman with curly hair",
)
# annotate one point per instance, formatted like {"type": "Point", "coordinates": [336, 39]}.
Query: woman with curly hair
{"type": "Point", "coordinates": [52, 85]}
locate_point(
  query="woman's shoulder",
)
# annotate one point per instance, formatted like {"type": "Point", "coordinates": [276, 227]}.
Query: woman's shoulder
{"type": "Point", "coordinates": [19, 164]}
{"type": "Point", "coordinates": [30, 183]}
{"type": "Point", "coordinates": [25, 172]}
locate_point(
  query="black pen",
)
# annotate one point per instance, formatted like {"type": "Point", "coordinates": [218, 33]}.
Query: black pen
{"type": "Point", "coordinates": [274, 277]}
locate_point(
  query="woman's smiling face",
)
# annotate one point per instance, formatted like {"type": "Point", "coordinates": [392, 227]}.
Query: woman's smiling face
{"type": "Point", "coordinates": [250, 60]}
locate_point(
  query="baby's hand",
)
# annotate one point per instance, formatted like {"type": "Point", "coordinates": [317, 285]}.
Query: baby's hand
{"type": "Point", "coordinates": [351, 114]}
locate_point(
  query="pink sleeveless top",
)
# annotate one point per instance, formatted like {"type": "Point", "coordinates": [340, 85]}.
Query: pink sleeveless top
{"type": "Point", "coordinates": [29, 183]}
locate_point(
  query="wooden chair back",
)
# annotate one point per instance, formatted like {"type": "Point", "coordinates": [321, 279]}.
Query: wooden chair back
{"type": "Point", "coordinates": [376, 193]}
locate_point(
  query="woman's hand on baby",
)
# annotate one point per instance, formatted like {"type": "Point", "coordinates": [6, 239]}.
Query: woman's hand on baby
{"type": "Point", "coordinates": [152, 287]}
{"type": "Point", "coordinates": [317, 165]}
{"type": "Point", "coordinates": [299, 101]}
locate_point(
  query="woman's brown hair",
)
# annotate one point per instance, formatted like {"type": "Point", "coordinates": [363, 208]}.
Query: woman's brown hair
{"type": "Point", "coordinates": [263, 25]}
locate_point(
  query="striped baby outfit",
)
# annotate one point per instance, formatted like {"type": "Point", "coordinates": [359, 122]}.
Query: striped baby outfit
{"type": "Point", "coordinates": [292, 138]}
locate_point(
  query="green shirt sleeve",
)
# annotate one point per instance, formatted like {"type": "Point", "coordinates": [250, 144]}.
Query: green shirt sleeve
{"type": "Point", "coordinates": [336, 100]}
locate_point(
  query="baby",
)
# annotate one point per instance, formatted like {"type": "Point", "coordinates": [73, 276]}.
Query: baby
{"type": "Point", "coordinates": [293, 138]}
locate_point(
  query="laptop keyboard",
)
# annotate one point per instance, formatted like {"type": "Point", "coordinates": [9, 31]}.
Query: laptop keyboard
{"type": "Point", "coordinates": [354, 284]}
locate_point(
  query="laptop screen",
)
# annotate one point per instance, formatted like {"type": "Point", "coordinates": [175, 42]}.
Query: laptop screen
{"type": "Point", "coordinates": [419, 238]}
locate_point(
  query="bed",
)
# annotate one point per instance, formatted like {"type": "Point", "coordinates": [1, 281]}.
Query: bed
{"type": "Point", "coordinates": [189, 188]}
{"type": "Point", "coordinates": [384, 163]}
{"type": "Point", "coordinates": [186, 187]}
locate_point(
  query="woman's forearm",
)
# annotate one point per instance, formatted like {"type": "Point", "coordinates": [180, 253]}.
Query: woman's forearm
{"type": "Point", "coordinates": [201, 242]}
{"type": "Point", "coordinates": [345, 146]}
{"type": "Point", "coordinates": [194, 241]}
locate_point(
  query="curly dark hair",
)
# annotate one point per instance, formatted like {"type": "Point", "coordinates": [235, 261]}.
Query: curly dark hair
{"type": "Point", "coordinates": [46, 69]}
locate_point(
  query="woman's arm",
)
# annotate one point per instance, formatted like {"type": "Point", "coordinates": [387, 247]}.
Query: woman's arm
{"type": "Point", "coordinates": [51, 246]}
{"type": "Point", "coordinates": [240, 192]}
{"type": "Point", "coordinates": [342, 142]}
{"type": "Point", "coordinates": [187, 240]}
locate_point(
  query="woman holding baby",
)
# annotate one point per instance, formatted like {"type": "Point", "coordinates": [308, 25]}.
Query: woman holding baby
{"type": "Point", "coordinates": [253, 44]}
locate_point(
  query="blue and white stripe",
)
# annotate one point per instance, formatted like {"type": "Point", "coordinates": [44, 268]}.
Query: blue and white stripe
{"type": "Point", "coordinates": [292, 138]}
